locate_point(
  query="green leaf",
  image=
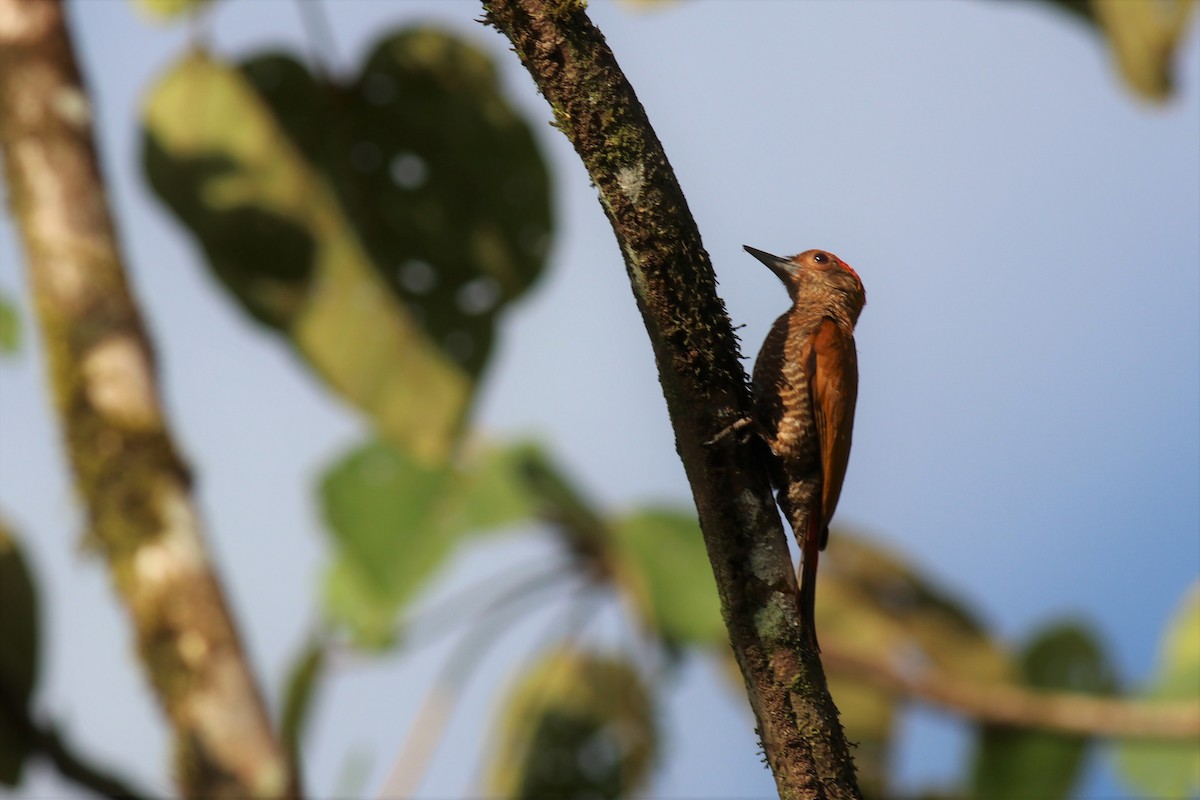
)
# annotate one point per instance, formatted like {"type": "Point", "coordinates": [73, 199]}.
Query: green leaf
{"type": "Point", "coordinates": [303, 679]}
{"type": "Point", "coordinates": [1144, 35]}
{"type": "Point", "coordinates": [395, 521]}
{"type": "Point", "coordinates": [577, 725]}
{"type": "Point", "coordinates": [10, 327]}
{"type": "Point", "coordinates": [662, 559]}
{"type": "Point", "coordinates": [382, 225]}
{"type": "Point", "coordinates": [275, 235]}
{"type": "Point", "coordinates": [168, 10]}
{"type": "Point", "coordinates": [1016, 764]}
{"type": "Point", "coordinates": [19, 656]}
{"type": "Point", "coordinates": [1163, 768]}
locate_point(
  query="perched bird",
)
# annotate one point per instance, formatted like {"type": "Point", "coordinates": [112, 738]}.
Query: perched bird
{"type": "Point", "coordinates": [805, 388]}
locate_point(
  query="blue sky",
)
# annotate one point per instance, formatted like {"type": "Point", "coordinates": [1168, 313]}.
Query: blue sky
{"type": "Point", "coordinates": [1028, 428]}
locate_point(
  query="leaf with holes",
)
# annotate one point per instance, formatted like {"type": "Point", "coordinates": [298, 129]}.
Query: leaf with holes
{"type": "Point", "coordinates": [19, 656]}
{"type": "Point", "coordinates": [577, 724]}
{"type": "Point", "coordinates": [395, 521]}
{"type": "Point", "coordinates": [1170, 769]}
{"type": "Point", "coordinates": [382, 225]}
{"type": "Point", "coordinates": [1013, 764]}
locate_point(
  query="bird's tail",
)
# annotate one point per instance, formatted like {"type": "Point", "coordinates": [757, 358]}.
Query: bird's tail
{"type": "Point", "coordinates": [802, 508]}
{"type": "Point", "coordinates": [810, 549]}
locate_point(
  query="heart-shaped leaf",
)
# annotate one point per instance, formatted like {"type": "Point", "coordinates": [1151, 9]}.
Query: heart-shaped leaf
{"type": "Point", "coordinates": [382, 225]}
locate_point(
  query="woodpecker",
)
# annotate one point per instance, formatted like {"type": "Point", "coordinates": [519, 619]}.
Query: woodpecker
{"type": "Point", "coordinates": [805, 388]}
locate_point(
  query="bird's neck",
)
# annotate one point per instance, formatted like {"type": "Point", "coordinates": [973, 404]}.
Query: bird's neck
{"type": "Point", "coordinates": [812, 303]}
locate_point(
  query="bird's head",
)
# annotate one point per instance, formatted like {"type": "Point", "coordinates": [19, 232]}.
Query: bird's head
{"type": "Point", "coordinates": [816, 271]}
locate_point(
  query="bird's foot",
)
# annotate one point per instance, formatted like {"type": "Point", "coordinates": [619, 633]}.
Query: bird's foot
{"type": "Point", "coordinates": [738, 428]}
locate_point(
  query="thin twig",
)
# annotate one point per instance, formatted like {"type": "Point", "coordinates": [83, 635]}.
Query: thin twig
{"type": "Point", "coordinates": [45, 740]}
{"type": "Point", "coordinates": [1006, 704]}
{"type": "Point", "coordinates": [428, 727]}
{"type": "Point", "coordinates": [428, 626]}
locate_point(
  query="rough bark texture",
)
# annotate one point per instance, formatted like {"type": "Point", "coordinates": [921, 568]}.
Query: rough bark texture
{"type": "Point", "coordinates": [704, 384]}
{"type": "Point", "coordinates": [134, 486]}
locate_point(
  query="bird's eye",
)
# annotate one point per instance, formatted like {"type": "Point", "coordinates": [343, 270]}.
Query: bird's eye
{"type": "Point", "coordinates": [820, 258]}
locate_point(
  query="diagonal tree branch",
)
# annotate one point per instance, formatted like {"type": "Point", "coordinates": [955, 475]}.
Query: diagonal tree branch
{"type": "Point", "coordinates": [702, 379]}
{"type": "Point", "coordinates": [134, 485]}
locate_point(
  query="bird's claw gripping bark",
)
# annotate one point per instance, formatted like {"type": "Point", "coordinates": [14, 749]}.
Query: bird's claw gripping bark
{"type": "Point", "coordinates": [738, 427]}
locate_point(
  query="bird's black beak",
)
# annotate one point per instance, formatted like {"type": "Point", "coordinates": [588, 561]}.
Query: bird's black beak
{"type": "Point", "coordinates": [784, 269]}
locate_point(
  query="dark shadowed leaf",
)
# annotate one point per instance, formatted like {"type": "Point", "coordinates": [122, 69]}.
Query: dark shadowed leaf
{"type": "Point", "coordinates": [1170, 769]}
{"type": "Point", "coordinates": [19, 656]}
{"type": "Point", "coordinates": [1014, 764]}
{"type": "Point", "coordinates": [395, 521]}
{"type": "Point", "coordinates": [577, 725]}
{"type": "Point", "coordinates": [382, 225]}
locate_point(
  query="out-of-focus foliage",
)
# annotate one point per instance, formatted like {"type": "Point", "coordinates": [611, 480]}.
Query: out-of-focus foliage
{"type": "Point", "coordinates": [302, 684]}
{"type": "Point", "coordinates": [663, 565]}
{"type": "Point", "coordinates": [19, 656]}
{"type": "Point", "coordinates": [395, 520]}
{"type": "Point", "coordinates": [10, 327]}
{"type": "Point", "coordinates": [1144, 36]}
{"type": "Point", "coordinates": [382, 225]}
{"type": "Point", "coordinates": [1170, 769]}
{"type": "Point", "coordinates": [872, 604]}
{"type": "Point", "coordinates": [577, 725]}
{"type": "Point", "coordinates": [168, 10]}
{"type": "Point", "coordinates": [1013, 764]}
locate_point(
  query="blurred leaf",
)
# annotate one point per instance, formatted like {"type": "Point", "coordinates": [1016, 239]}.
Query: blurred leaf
{"type": "Point", "coordinates": [395, 521]}
{"type": "Point", "coordinates": [19, 656]}
{"type": "Point", "coordinates": [1144, 35]}
{"type": "Point", "coordinates": [382, 225]}
{"type": "Point", "coordinates": [662, 558]}
{"type": "Point", "coordinates": [444, 180]}
{"type": "Point", "coordinates": [577, 725]}
{"type": "Point", "coordinates": [559, 502]}
{"type": "Point", "coordinates": [1013, 764]}
{"type": "Point", "coordinates": [871, 603]}
{"type": "Point", "coordinates": [302, 683]}
{"type": "Point", "coordinates": [274, 234]}
{"type": "Point", "coordinates": [1161, 768]}
{"type": "Point", "coordinates": [168, 10]}
{"type": "Point", "coordinates": [10, 326]}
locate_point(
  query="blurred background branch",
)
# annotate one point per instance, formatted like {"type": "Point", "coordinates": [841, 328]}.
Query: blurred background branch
{"type": "Point", "coordinates": [127, 471]}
